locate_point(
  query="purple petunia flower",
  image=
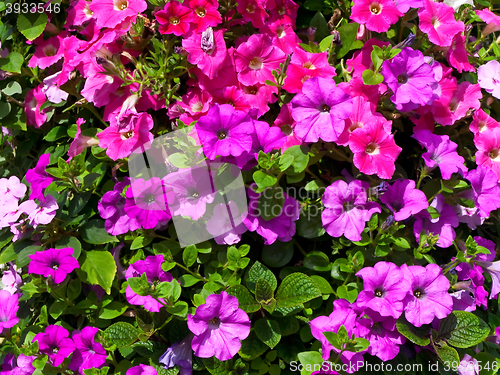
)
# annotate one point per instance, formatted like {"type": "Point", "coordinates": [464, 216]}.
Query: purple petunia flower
{"type": "Point", "coordinates": [411, 80]}
{"type": "Point", "coordinates": [320, 110]}
{"type": "Point", "coordinates": [225, 131]}
{"type": "Point", "coordinates": [428, 296]}
{"type": "Point", "coordinates": [222, 224]}
{"type": "Point", "coordinates": [22, 365]}
{"type": "Point", "coordinates": [346, 209]}
{"type": "Point", "coordinates": [142, 370]}
{"type": "Point", "coordinates": [38, 178]}
{"type": "Point", "coordinates": [384, 289]}
{"type": "Point", "coordinates": [493, 269]}
{"type": "Point", "coordinates": [281, 227]}
{"type": "Point", "coordinates": [88, 353]}
{"type": "Point", "coordinates": [55, 342]}
{"type": "Point", "coordinates": [441, 152]}
{"type": "Point", "coordinates": [146, 202]}
{"type": "Point", "coordinates": [56, 263]}
{"type": "Point", "coordinates": [11, 280]}
{"type": "Point", "coordinates": [404, 200]}
{"type": "Point", "coordinates": [154, 273]}
{"type": "Point", "coordinates": [381, 331]}
{"type": "Point", "coordinates": [9, 304]}
{"type": "Point", "coordinates": [112, 208]}
{"type": "Point", "coordinates": [485, 188]}
{"type": "Point", "coordinates": [219, 326]}
{"type": "Point", "coordinates": [179, 354]}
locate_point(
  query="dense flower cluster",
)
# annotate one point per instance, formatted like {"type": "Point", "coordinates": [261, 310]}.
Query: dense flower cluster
{"type": "Point", "coordinates": [245, 187]}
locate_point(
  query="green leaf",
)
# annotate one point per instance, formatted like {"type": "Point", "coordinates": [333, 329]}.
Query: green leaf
{"type": "Point", "coordinates": [309, 224]}
{"type": "Point", "coordinates": [12, 63]}
{"type": "Point", "coordinates": [348, 33]}
{"type": "Point", "coordinates": [70, 242]}
{"type": "Point", "coordinates": [297, 159]}
{"type": "Point", "coordinates": [317, 261]}
{"type": "Point", "coordinates": [268, 331]}
{"type": "Point", "coordinates": [433, 212]}
{"type": "Point", "coordinates": [357, 345]}
{"type": "Point", "coordinates": [295, 289]}
{"type": "Point", "coordinates": [447, 354]}
{"type": "Point", "coordinates": [121, 334]}
{"type": "Point", "coordinates": [463, 329]}
{"type": "Point", "coordinates": [245, 299]}
{"type": "Point", "coordinates": [188, 280]}
{"type": "Point", "coordinates": [189, 255]}
{"type": "Point", "coordinates": [326, 43]}
{"type": "Point", "coordinates": [334, 339]}
{"type": "Point", "coordinates": [140, 285]}
{"type": "Point", "coordinates": [323, 284]}
{"type": "Point", "coordinates": [252, 347]}
{"type": "Point", "coordinates": [55, 133]}
{"type": "Point", "coordinates": [345, 292]}
{"type": "Point", "coordinates": [314, 5]}
{"type": "Point", "coordinates": [31, 25]}
{"type": "Point", "coordinates": [415, 334]}
{"type": "Point", "coordinates": [271, 203]}
{"type": "Point", "coordinates": [264, 180]}
{"type": "Point", "coordinates": [93, 232]}
{"type": "Point", "coordinates": [98, 268]}
{"type": "Point", "coordinates": [57, 308]}
{"type": "Point", "coordinates": [257, 271]}
{"type": "Point", "coordinates": [319, 22]}
{"type": "Point", "coordinates": [74, 289]}
{"type": "Point", "coordinates": [113, 310]}
{"type": "Point", "coordinates": [278, 254]}
{"type": "Point", "coordinates": [12, 88]}
{"type": "Point", "coordinates": [4, 109]}
{"type": "Point", "coordinates": [310, 360]}
{"type": "Point", "coordinates": [140, 242]}
{"type": "Point", "coordinates": [263, 290]}
{"type": "Point", "coordinates": [372, 78]}
{"type": "Point", "coordinates": [179, 309]}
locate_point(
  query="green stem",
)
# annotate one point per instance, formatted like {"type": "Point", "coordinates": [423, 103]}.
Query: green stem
{"type": "Point", "coordinates": [300, 247]}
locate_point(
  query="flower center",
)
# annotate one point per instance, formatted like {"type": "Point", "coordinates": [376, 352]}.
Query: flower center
{"type": "Point", "coordinates": [197, 107]}
{"type": "Point", "coordinates": [308, 65]}
{"type": "Point", "coordinates": [54, 265]}
{"type": "Point", "coordinates": [120, 4]}
{"type": "Point", "coordinates": [354, 126]}
{"type": "Point", "coordinates": [250, 8]}
{"type": "Point", "coordinates": [347, 206]}
{"type": "Point", "coordinates": [221, 134]}
{"type": "Point", "coordinates": [435, 22]}
{"type": "Point", "coordinates": [372, 149]}
{"type": "Point", "coordinates": [494, 154]}
{"type": "Point", "coordinates": [375, 8]}
{"type": "Point", "coordinates": [418, 293]}
{"type": "Point", "coordinates": [325, 108]}
{"type": "Point", "coordinates": [127, 135]}
{"type": "Point", "coordinates": [195, 194]}
{"type": "Point", "coordinates": [402, 78]}
{"type": "Point", "coordinates": [201, 12]}
{"type": "Point", "coordinates": [379, 292]}
{"type": "Point", "coordinates": [214, 323]}
{"type": "Point", "coordinates": [281, 10]}
{"type": "Point", "coordinates": [150, 198]}
{"type": "Point", "coordinates": [280, 32]}
{"type": "Point", "coordinates": [255, 63]}
{"type": "Point", "coordinates": [49, 50]}
{"type": "Point", "coordinates": [174, 20]}
{"type": "Point", "coordinates": [481, 126]}
{"type": "Point", "coordinates": [87, 10]}
{"type": "Point", "coordinates": [286, 129]}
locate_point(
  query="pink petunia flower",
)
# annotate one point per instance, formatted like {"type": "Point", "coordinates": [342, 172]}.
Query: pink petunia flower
{"type": "Point", "coordinates": [47, 53]}
{"type": "Point", "coordinates": [492, 21]}
{"type": "Point", "coordinates": [9, 304]}
{"type": "Point", "coordinates": [174, 18]}
{"type": "Point", "coordinates": [81, 142]}
{"type": "Point", "coordinates": [283, 35]}
{"type": "Point", "coordinates": [206, 50]}
{"type": "Point", "coordinates": [35, 116]}
{"type": "Point", "coordinates": [78, 13]}
{"type": "Point", "coordinates": [404, 200]}
{"type": "Point", "coordinates": [252, 11]}
{"type": "Point", "coordinates": [488, 149]}
{"type": "Point", "coordinates": [437, 20]}
{"type": "Point", "coordinates": [219, 325]}
{"type": "Point", "coordinates": [256, 59]}
{"type": "Point", "coordinates": [488, 77]}
{"type": "Point", "coordinates": [458, 56]}
{"type": "Point", "coordinates": [375, 151]}
{"type": "Point", "coordinates": [142, 370]}
{"type": "Point", "coordinates": [287, 125]}
{"type": "Point", "coordinates": [54, 263]}
{"type": "Point", "coordinates": [205, 14]}
{"type": "Point", "coordinates": [481, 122]}
{"type": "Point", "coordinates": [376, 15]}
{"type": "Point", "coordinates": [222, 221]}
{"type": "Point", "coordinates": [109, 13]}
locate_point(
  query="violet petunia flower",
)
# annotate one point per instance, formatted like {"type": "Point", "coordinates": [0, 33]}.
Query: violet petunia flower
{"type": "Point", "coordinates": [55, 342]}
{"type": "Point", "coordinates": [9, 304]}
{"type": "Point", "coordinates": [219, 326]}
{"type": "Point", "coordinates": [441, 152]}
{"type": "Point", "coordinates": [88, 353]}
{"type": "Point", "coordinates": [154, 273]}
{"type": "Point", "coordinates": [468, 366]}
{"type": "Point", "coordinates": [428, 296]}
{"type": "Point", "coordinates": [38, 178]}
{"type": "Point", "coordinates": [488, 77]}
{"type": "Point", "coordinates": [385, 288]}
{"type": "Point", "coordinates": [146, 202]}
{"type": "Point", "coordinates": [22, 365]}
{"type": "Point", "coordinates": [411, 80]}
{"type": "Point", "coordinates": [404, 200]}
{"type": "Point", "coordinates": [486, 190]}
{"type": "Point", "coordinates": [493, 269]}
{"type": "Point", "coordinates": [11, 280]}
{"type": "Point", "coordinates": [55, 263]}
{"type": "Point", "coordinates": [320, 110]}
{"type": "Point", "coordinates": [225, 131]}
{"type": "Point", "coordinates": [346, 209]}
{"type": "Point", "coordinates": [179, 354]}
{"type": "Point", "coordinates": [142, 370]}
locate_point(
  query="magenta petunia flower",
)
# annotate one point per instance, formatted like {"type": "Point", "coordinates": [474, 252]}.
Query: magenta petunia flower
{"type": "Point", "coordinates": [142, 370]}
{"type": "Point", "coordinates": [491, 19]}
{"type": "Point", "coordinates": [428, 296]}
{"type": "Point", "coordinates": [81, 142]}
{"type": "Point", "coordinates": [128, 134]}
{"type": "Point", "coordinates": [458, 56]}
{"type": "Point", "coordinates": [252, 11]}
{"type": "Point", "coordinates": [55, 342]}
{"type": "Point", "coordinates": [88, 353]}
{"type": "Point", "coordinates": [47, 52]}
{"type": "Point", "coordinates": [481, 122]}
{"type": "Point", "coordinates": [384, 289]}
{"type": "Point", "coordinates": [346, 209]}
{"type": "Point", "coordinates": [375, 151]}
{"type": "Point", "coordinates": [38, 178]}
{"type": "Point", "coordinates": [281, 227]}
{"type": "Point", "coordinates": [376, 15]}
{"type": "Point", "coordinates": [22, 365]}
{"type": "Point", "coordinates": [224, 131]}
{"type": "Point", "coordinates": [206, 50]}
{"type": "Point", "coordinates": [488, 149]}
{"type": "Point", "coordinates": [109, 13]}
{"type": "Point", "coordinates": [154, 273]}
{"type": "Point", "coordinates": [410, 78]}
{"type": "Point", "coordinates": [404, 200]}
{"type": "Point", "coordinates": [205, 14]}
{"type": "Point", "coordinates": [147, 202]}
{"type": "Point", "coordinates": [488, 77]}
{"type": "Point", "coordinates": [256, 58]}
{"type": "Point", "coordinates": [320, 110]}
{"type": "Point", "coordinates": [437, 20]}
{"type": "Point", "coordinates": [493, 269]}
{"type": "Point", "coordinates": [174, 18]}
{"type": "Point", "coordinates": [441, 152]}
{"type": "Point", "coordinates": [35, 116]}
{"type": "Point", "coordinates": [219, 326]}
{"type": "Point", "coordinates": [486, 190]}
{"type": "Point", "coordinates": [9, 304]}
{"type": "Point", "coordinates": [54, 263]}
